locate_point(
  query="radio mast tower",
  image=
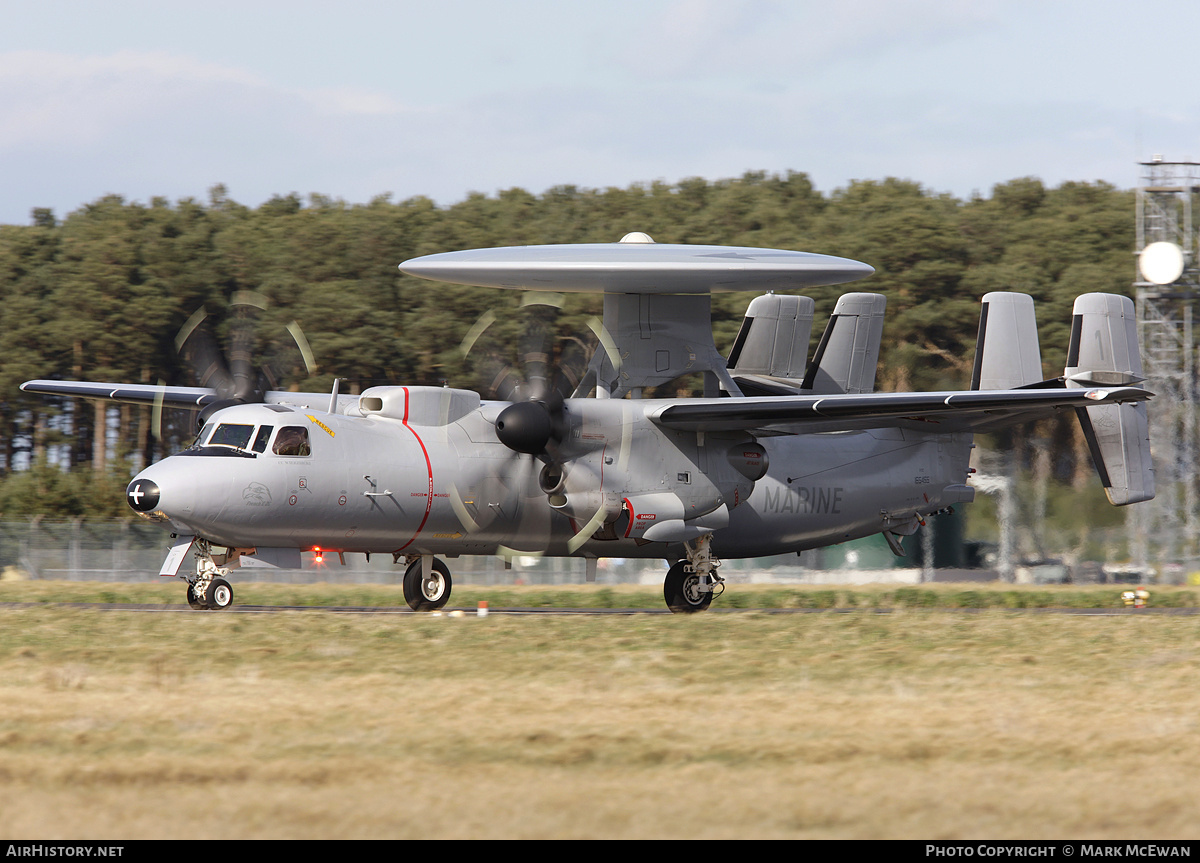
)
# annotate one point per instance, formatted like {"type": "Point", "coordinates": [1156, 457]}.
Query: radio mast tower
{"type": "Point", "coordinates": [1166, 530]}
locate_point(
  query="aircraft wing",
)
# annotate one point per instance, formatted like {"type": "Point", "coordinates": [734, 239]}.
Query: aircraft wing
{"type": "Point", "coordinates": [968, 410]}
{"type": "Point", "coordinates": [191, 398]}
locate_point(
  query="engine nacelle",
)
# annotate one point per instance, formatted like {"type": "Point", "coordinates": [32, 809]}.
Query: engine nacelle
{"type": "Point", "coordinates": [663, 517]}
{"type": "Point", "coordinates": [643, 511]}
{"type": "Point", "coordinates": [749, 459]}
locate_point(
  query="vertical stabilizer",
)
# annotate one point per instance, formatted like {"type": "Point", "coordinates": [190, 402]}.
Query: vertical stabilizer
{"type": "Point", "coordinates": [773, 340]}
{"type": "Point", "coordinates": [1007, 353]}
{"type": "Point", "coordinates": [848, 353]}
{"type": "Point", "coordinates": [1104, 352]}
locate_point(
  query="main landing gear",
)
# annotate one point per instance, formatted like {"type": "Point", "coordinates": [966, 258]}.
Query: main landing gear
{"type": "Point", "coordinates": [691, 584]}
{"type": "Point", "coordinates": [209, 589]}
{"type": "Point", "coordinates": [427, 583]}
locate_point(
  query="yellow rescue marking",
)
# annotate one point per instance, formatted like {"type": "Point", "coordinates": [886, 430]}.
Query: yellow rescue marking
{"type": "Point", "coordinates": [321, 424]}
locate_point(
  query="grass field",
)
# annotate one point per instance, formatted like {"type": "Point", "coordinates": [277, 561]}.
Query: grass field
{"type": "Point", "coordinates": [740, 596]}
{"type": "Point", "coordinates": [915, 724]}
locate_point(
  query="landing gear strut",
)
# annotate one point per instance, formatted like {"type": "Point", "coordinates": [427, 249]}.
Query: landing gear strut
{"type": "Point", "coordinates": [690, 584]}
{"type": "Point", "coordinates": [426, 588]}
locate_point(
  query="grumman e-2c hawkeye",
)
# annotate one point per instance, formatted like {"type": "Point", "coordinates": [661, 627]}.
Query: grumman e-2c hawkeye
{"type": "Point", "coordinates": [784, 453]}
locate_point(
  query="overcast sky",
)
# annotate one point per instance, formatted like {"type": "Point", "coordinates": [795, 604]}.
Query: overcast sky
{"type": "Point", "coordinates": [357, 99]}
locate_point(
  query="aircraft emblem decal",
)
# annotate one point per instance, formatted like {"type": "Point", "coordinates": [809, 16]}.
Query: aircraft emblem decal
{"type": "Point", "coordinates": [256, 494]}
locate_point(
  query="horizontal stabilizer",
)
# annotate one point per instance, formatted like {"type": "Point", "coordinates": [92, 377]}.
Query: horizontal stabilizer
{"type": "Point", "coordinates": [1104, 348]}
{"type": "Point", "coordinates": [1007, 353]}
{"type": "Point", "coordinates": [848, 353]}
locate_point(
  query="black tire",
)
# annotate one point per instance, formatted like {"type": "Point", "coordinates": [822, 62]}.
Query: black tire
{"type": "Point", "coordinates": [193, 599]}
{"type": "Point", "coordinates": [219, 594]}
{"type": "Point", "coordinates": [427, 594]}
{"type": "Point", "coordinates": [680, 591]}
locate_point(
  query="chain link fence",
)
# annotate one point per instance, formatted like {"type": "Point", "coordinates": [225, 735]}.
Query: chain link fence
{"type": "Point", "coordinates": [130, 550]}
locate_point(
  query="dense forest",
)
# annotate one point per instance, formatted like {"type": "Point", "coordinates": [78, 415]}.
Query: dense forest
{"type": "Point", "coordinates": [102, 293]}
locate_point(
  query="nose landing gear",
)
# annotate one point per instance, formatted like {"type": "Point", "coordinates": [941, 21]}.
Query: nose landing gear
{"type": "Point", "coordinates": [209, 589]}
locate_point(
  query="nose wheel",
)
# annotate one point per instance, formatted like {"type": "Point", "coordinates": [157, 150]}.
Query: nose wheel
{"type": "Point", "coordinates": [210, 593]}
{"type": "Point", "coordinates": [219, 594]}
{"type": "Point", "coordinates": [209, 589]}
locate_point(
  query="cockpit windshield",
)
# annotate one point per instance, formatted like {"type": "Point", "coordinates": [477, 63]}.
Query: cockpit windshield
{"type": "Point", "coordinates": [233, 435]}
{"type": "Point", "coordinates": [236, 438]}
{"type": "Point", "coordinates": [260, 439]}
{"type": "Point", "coordinates": [202, 436]}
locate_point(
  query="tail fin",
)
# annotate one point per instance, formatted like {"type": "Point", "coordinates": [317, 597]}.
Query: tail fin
{"type": "Point", "coordinates": [1007, 353]}
{"type": "Point", "coordinates": [1104, 352]}
{"type": "Point", "coordinates": [848, 352]}
{"type": "Point", "coordinates": [773, 340]}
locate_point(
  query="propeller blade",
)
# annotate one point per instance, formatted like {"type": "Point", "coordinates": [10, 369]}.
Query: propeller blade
{"type": "Point", "coordinates": [243, 379]}
{"type": "Point", "coordinates": [198, 347]}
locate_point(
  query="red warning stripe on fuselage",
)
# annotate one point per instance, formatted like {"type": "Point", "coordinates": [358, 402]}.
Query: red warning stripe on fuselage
{"type": "Point", "coordinates": [428, 470]}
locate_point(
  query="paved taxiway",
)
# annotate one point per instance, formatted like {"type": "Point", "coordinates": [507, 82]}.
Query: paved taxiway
{"type": "Point", "coordinates": [471, 612]}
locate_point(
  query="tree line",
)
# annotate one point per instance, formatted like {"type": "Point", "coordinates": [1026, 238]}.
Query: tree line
{"type": "Point", "coordinates": [102, 293]}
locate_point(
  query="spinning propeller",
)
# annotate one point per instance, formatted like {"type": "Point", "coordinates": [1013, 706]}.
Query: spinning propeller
{"type": "Point", "coordinates": [548, 372]}
{"type": "Point", "coordinates": [238, 380]}
{"type": "Point", "coordinates": [536, 425]}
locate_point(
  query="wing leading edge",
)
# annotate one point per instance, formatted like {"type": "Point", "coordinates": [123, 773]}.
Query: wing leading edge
{"type": "Point", "coordinates": [190, 398]}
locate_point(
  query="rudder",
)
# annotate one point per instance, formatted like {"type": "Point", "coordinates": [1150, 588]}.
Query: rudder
{"type": "Point", "coordinates": [1007, 353]}
{"type": "Point", "coordinates": [848, 353]}
{"type": "Point", "coordinates": [1104, 352]}
{"type": "Point", "coordinates": [773, 339]}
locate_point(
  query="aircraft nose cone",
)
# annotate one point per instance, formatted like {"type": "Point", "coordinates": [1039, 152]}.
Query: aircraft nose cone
{"type": "Point", "coordinates": [142, 495]}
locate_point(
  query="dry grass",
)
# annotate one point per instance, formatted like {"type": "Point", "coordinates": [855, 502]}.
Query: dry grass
{"type": "Point", "coordinates": [131, 725]}
{"type": "Point", "coordinates": [948, 595]}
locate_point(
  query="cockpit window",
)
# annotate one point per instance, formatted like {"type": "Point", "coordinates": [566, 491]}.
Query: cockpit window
{"type": "Point", "coordinates": [292, 440]}
{"type": "Point", "coordinates": [203, 436]}
{"type": "Point", "coordinates": [230, 434]}
{"type": "Point", "coordinates": [260, 439]}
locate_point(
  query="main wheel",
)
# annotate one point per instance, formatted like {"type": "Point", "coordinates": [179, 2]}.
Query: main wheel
{"type": "Point", "coordinates": [194, 599]}
{"type": "Point", "coordinates": [427, 594]}
{"type": "Point", "coordinates": [219, 594]}
{"type": "Point", "coordinates": [681, 590]}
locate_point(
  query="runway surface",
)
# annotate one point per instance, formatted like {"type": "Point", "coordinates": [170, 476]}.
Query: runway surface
{"type": "Point", "coordinates": [473, 612]}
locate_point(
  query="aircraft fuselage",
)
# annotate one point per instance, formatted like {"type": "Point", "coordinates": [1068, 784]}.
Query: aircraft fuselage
{"type": "Point", "coordinates": [446, 486]}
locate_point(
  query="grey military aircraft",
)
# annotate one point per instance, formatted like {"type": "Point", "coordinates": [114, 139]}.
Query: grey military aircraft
{"type": "Point", "coordinates": [784, 452]}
